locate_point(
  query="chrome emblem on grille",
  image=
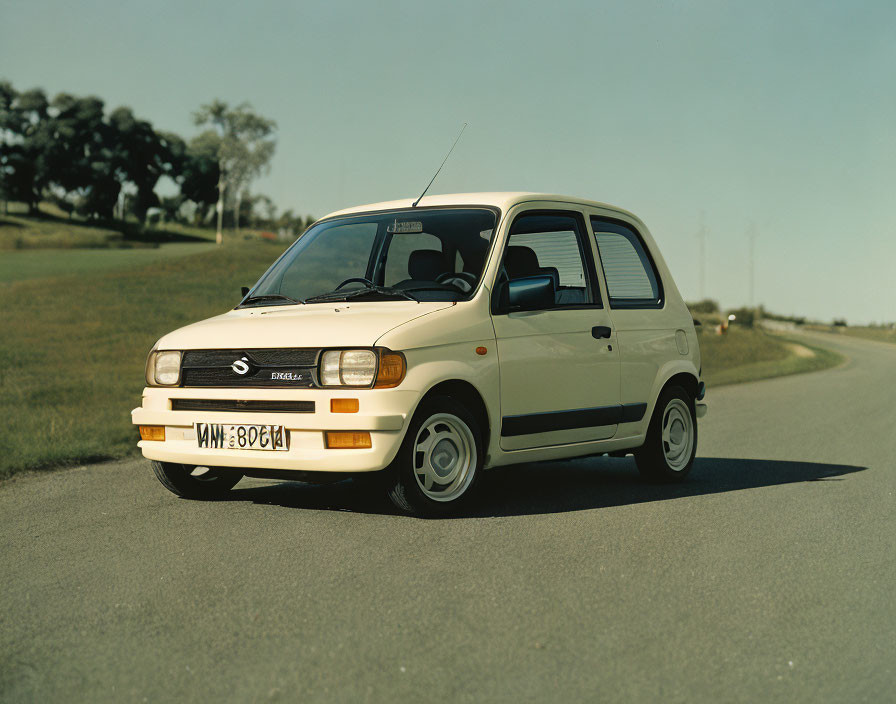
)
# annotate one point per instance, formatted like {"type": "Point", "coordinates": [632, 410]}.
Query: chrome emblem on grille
{"type": "Point", "coordinates": [240, 366]}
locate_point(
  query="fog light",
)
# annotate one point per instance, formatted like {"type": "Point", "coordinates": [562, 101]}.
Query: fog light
{"type": "Point", "coordinates": [343, 405]}
{"type": "Point", "coordinates": [152, 432]}
{"type": "Point", "coordinates": [337, 440]}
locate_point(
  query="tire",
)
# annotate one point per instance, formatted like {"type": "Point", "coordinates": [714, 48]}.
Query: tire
{"type": "Point", "coordinates": [439, 461]}
{"type": "Point", "coordinates": [180, 480]}
{"type": "Point", "coordinates": [667, 454]}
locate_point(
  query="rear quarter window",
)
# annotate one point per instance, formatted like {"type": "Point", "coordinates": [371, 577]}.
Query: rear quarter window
{"type": "Point", "coordinates": [632, 279]}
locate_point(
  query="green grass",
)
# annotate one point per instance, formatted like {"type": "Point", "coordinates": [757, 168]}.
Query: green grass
{"type": "Point", "coordinates": [49, 230]}
{"type": "Point", "coordinates": [748, 354]}
{"type": "Point", "coordinates": [73, 348]}
{"type": "Point", "coordinates": [45, 233]}
{"type": "Point", "coordinates": [24, 264]}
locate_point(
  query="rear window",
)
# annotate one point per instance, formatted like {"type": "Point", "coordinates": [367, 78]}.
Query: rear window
{"type": "Point", "coordinates": [631, 278]}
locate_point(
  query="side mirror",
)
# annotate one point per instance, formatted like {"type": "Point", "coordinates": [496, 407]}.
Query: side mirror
{"type": "Point", "coordinates": [244, 290]}
{"type": "Point", "coordinates": [530, 293]}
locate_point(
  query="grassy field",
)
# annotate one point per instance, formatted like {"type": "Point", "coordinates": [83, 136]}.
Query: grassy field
{"type": "Point", "coordinates": [50, 230]}
{"type": "Point", "coordinates": [748, 354]}
{"type": "Point", "coordinates": [19, 265]}
{"type": "Point", "coordinates": [44, 233]}
{"type": "Point", "coordinates": [73, 348]}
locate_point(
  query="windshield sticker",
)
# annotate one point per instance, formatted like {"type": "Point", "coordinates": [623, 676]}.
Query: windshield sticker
{"type": "Point", "coordinates": [404, 227]}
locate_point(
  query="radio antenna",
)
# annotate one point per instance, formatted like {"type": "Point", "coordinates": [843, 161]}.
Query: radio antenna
{"type": "Point", "coordinates": [414, 204]}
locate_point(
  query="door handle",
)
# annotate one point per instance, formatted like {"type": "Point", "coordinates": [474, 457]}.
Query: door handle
{"type": "Point", "coordinates": [599, 331]}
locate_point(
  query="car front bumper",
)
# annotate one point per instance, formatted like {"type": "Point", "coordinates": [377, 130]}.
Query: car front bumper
{"type": "Point", "coordinates": [383, 413]}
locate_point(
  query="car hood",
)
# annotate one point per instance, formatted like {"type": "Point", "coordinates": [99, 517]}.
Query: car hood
{"type": "Point", "coordinates": [343, 324]}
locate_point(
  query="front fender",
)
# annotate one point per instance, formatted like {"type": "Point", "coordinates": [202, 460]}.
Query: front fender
{"type": "Point", "coordinates": [430, 366]}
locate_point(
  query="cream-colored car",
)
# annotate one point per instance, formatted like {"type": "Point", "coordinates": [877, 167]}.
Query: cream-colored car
{"type": "Point", "coordinates": [422, 345]}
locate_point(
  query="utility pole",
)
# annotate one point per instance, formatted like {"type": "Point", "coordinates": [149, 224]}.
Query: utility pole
{"type": "Point", "coordinates": [701, 238]}
{"type": "Point", "coordinates": [751, 234]}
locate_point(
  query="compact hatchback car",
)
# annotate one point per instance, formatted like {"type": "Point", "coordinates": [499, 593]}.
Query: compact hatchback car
{"type": "Point", "coordinates": [420, 345]}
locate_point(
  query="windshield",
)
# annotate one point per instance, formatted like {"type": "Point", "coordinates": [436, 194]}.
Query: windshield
{"type": "Point", "coordinates": [427, 254]}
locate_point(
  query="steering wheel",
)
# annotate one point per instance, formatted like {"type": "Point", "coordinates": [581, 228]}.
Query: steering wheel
{"type": "Point", "coordinates": [355, 280]}
{"type": "Point", "coordinates": [464, 281]}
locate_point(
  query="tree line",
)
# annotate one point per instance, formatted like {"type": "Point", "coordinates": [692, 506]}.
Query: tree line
{"type": "Point", "coordinates": [105, 165]}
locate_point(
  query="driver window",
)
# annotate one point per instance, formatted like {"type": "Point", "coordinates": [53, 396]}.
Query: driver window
{"type": "Point", "coordinates": [399, 255]}
{"type": "Point", "coordinates": [550, 244]}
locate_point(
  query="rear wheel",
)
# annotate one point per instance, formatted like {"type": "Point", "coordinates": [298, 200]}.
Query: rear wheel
{"type": "Point", "coordinates": [439, 461]}
{"type": "Point", "coordinates": [671, 443]}
{"type": "Point", "coordinates": [192, 482]}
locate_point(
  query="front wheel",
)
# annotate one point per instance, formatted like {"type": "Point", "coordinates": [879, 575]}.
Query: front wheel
{"type": "Point", "coordinates": [671, 443]}
{"type": "Point", "coordinates": [439, 460]}
{"type": "Point", "coordinates": [191, 482]}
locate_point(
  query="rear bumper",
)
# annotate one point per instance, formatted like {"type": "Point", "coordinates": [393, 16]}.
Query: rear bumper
{"type": "Point", "coordinates": [383, 413]}
{"type": "Point", "coordinates": [701, 410]}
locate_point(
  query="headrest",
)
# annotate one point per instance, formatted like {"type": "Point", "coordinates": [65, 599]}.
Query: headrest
{"type": "Point", "coordinates": [521, 261]}
{"type": "Point", "coordinates": [426, 264]}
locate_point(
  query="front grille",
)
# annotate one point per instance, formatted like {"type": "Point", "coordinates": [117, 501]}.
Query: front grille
{"type": "Point", "coordinates": [295, 357]}
{"type": "Point", "coordinates": [214, 404]}
{"type": "Point", "coordinates": [271, 368]}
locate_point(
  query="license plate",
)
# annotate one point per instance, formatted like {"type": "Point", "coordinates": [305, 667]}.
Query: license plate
{"type": "Point", "coordinates": [241, 437]}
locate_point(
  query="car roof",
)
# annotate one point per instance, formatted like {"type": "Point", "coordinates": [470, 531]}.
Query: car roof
{"type": "Point", "coordinates": [502, 200]}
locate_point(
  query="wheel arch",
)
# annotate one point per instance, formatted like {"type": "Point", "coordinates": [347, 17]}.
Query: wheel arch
{"type": "Point", "coordinates": [683, 374]}
{"type": "Point", "coordinates": [686, 379]}
{"type": "Point", "coordinates": [469, 396]}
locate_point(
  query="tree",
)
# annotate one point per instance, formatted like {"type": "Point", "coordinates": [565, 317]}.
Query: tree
{"type": "Point", "coordinates": [23, 125]}
{"type": "Point", "coordinates": [268, 209]}
{"type": "Point", "coordinates": [244, 151]}
{"type": "Point", "coordinates": [743, 316]}
{"type": "Point", "coordinates": [142, 156]}
{"type": "Point", "coordinates": [7, 98]}
{"type": "Point", "coordinates": [707, 305]}
{"type": "Point", "coordinates": [200, 174]}
{"type": "Point", "coordinates": [245, 169]}
{"type": "Point", "coordinates": [78, 157]}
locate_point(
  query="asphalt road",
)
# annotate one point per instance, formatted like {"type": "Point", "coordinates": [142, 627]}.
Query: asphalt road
{"type": "Point", "coordinates": [768, 576]}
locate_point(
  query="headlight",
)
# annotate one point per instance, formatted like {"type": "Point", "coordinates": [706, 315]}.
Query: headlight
{"type": "Point", "coordinates": [163, 368]}
{"type": "Point", "coordinates": [348, 368]}
{"type": "Point", "coordinates": [362, 368]}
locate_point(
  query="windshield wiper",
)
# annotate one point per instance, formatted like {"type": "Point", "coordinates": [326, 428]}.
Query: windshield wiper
{"type": "Point", "coordinates": [346, 295]}
{"type": "Point", "coordinates": [270, 297]}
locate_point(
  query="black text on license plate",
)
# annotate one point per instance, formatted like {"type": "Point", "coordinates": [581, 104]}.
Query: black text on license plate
{"type": "Point", "coordinates": [242, 437]}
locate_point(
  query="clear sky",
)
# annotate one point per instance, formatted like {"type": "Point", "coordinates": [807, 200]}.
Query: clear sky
{"type": "Point", "coordinates": [780, 114]}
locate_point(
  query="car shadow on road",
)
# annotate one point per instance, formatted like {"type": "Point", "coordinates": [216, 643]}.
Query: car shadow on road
{"type": "Point", "coordinates": [558, 487]}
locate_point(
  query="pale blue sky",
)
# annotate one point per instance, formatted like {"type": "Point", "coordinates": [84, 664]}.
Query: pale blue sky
{"type": "Point", "coordinates": [780, 113]}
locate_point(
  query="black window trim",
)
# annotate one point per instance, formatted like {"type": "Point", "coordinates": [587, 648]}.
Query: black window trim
{"type": "Point", "coordinates": [584, 250]}
{"type": "Point", "coordinates": [629, 303]}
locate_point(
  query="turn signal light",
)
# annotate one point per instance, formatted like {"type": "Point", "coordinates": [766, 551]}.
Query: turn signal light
{"type": "Point", "coordinates": [343, 405]}
{"type": "Point", "coordinates": [152, 432]}
{"type": "Point", "coordinates": [337, 440]}
{"type": "Point", "coordinates": [391, 371]}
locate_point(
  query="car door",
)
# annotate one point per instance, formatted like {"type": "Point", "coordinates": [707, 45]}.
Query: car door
{"type": "Point", "coordinates": [559, 367]}
{"type": "Point", "coordinates": [637, 305]}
